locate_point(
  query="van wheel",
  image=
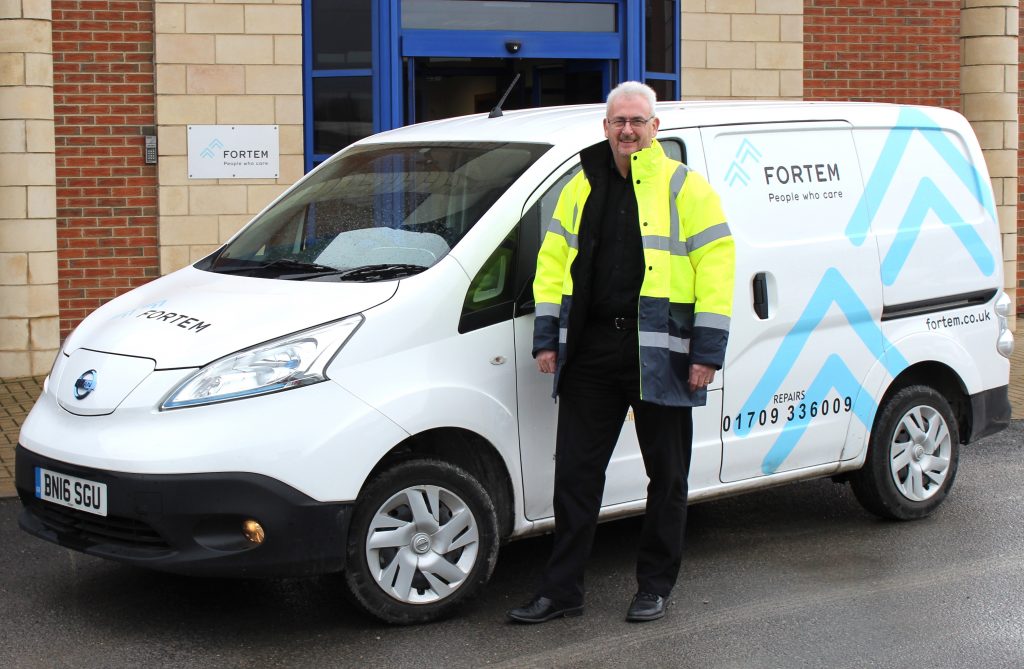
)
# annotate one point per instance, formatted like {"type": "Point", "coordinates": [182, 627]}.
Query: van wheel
{"type": "Point", "coordinates": [423, 539]}
{"type": "Point", "coordinates": [912, 457]}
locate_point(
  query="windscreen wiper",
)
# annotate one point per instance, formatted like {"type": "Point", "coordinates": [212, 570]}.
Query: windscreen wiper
{"type": "Point", "coordinates": [283, 265]}
{"type": "Point", "coordinates": [380, 272]}
{"type": "Point", "coordinates": [309, 270]}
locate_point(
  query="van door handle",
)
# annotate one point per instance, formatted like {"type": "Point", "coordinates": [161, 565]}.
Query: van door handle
{"type": "Point", "coordinates": [760, 291]}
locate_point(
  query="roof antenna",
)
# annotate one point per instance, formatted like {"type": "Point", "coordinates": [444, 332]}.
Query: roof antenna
{"type": "Point", "coordinates": [496, 112]}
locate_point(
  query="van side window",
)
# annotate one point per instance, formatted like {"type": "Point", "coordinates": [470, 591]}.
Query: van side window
{"type": "Point", "coordinates": [538, 217]}
{"type": "Point", "coordinates": [503, 288]}
{"type": "Point", "coordinates": [674, 148]}
{"type": "Point", "coordinates": [490, 296]}
{"type": "Point", "coordinates": [534, 224]}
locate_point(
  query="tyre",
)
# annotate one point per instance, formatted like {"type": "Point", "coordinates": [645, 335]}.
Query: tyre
{"type": "Point", "coordinates": [423, 540]}
{"type": "Point", "coordinates": [912, 456]}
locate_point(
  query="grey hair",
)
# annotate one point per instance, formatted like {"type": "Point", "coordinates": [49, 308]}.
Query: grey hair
{"type": "Point", "coordinates": [629, 89]}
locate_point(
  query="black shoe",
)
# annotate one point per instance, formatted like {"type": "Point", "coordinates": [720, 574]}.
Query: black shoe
{"type": "Point", "coordinates": [646, 606]}
{"type": "Point", "coordinates": [541, 610]}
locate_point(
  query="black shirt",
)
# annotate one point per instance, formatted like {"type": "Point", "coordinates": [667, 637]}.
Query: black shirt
{"type": "Point", "coordinates": [618, 270]}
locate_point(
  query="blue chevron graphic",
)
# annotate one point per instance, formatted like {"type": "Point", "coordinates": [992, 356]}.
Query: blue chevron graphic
{"type": "Point", "coordinates": [895, 147]}
{"type": "Point", "coordinates": [736, 173]}
{"type": "Point", "coordinates": [746, 151]}
{"type": "Point", "coordinates": [208, 151]}
{"type": "Point", "coordinates": [834, 374]}
{"type": "Point", "coordinates": [927, 198]}
{"type": "Point", "coordinates": [832, 289]}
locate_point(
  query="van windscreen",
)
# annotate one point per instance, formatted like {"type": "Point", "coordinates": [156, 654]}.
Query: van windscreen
{"type": "Point", "coordinates": [376, 212]}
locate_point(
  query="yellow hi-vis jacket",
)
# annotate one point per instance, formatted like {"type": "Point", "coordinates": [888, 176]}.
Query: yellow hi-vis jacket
{"type": "Point", "coordinates": [685, 301]}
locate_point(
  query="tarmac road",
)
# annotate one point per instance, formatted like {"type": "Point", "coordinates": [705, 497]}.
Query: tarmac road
{"type": "Point", "coordinates": [797, 576]}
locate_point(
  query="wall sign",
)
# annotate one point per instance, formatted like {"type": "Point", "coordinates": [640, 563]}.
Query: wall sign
{"type": "Point", "coordinates": [233, 152]}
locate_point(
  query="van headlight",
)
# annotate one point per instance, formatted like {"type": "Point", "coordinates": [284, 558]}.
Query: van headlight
{"type": "Point", "coordinates": [289, 362]}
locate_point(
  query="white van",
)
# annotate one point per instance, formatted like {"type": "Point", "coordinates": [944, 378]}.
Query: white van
{"type": "Point", "coordinates": [347, 384]}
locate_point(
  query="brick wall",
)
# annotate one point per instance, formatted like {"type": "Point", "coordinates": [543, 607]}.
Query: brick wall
{"type": "Point", "coordinates": [1020, 175]}
{"type": "Point", "coordinates": [904, 51]}
{"type": "Point", "coordinates": [106, 194]}
{"type": "Point", "coordinates": [947, 53]}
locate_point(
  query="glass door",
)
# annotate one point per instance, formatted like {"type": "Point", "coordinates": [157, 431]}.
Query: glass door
{"type": "Point", "coordinates": [372, 65]}
{"type": "Point", "coordinates": [459, 56]}
{"type": "Point", "coordinates": [441, 87]}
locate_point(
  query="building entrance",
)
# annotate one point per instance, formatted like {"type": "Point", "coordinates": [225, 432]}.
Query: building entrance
{"type": "Point", "coordinates": [440, 87]}
{"type": "Point", "coordinates": [372, 65]}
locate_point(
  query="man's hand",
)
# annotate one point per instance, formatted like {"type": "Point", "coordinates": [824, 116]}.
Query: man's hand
{"type": "Point", "coordinates": [546, 361]}
{"type": "Point", "coordinates": [700, 376]}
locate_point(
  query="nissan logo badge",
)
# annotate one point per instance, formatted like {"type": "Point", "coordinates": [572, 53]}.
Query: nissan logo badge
{"type": "Point", "coordinates": [85, 384]}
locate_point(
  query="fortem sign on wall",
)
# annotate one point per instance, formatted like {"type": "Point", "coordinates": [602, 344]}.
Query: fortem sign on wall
{"type": "Point", "coordinates": [233, 152]}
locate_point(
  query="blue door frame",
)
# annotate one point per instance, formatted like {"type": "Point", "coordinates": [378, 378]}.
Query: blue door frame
{"type": "Point", "coordinates": [391, 44]}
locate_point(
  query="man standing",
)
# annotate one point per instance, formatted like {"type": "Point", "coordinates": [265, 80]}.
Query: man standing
{"type": "Point", "coordinates": [633, 292]}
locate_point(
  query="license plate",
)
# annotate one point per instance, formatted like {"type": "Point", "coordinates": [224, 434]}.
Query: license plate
{"type": "Point", "coordinates": [74, 493]}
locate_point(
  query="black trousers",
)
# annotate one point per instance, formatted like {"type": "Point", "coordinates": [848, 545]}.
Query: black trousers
{"type": "Point", "coordinates": [598, 386]}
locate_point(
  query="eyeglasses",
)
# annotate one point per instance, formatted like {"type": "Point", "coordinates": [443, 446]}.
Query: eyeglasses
{"type": "Point", "coordinates": [636, 122]}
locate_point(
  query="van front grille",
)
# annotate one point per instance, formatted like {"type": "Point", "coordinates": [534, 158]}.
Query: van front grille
{"type": "Point", "coordinates": [91, 529]}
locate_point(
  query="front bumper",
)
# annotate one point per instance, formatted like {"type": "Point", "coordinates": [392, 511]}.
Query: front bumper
{"type": "Point", "coordinates": [190, 523]}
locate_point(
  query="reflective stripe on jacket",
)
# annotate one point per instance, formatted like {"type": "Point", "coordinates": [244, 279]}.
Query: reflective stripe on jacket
{"type": "Point", "coordinates": [685, 300]}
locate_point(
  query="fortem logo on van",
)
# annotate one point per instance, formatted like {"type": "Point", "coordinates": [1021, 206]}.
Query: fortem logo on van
{"type": "Point", "coordinates": [799, 174]}
{"type": "Point", "coordinates": [171, 318]}
{"type": "Point", "coordinates": [747, 151]}
{"type": "Point", "coordinates": [783, 175]}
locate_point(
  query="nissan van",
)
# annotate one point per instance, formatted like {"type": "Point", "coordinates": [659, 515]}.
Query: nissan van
{"type": "Point", "coordinates": [347, 383]}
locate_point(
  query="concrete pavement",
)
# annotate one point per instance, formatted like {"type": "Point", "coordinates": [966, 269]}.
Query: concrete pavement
{"type": "Point", "coordinates": [18, 395]}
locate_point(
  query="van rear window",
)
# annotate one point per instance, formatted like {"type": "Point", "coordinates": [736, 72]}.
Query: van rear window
{"type": "Point", "coordinates": [376, 212]}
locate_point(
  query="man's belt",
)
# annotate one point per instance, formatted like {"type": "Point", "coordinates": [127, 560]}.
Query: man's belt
{"type": "Point", "coordinates": [618, 322]}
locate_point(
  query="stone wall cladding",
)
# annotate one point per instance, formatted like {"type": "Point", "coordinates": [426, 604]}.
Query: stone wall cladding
{"type": "Point", "coordinates": [905, 51]}
{"type": "Point", "coordinates": [106, 194]}
{"type": "Point", "coordinates": [742, 49]}
{"type": "Point", "coordinates": [28, 241]}
{"type": "Point", "coordinates": [222, 64]}
{"type": "Point", "coordinates": [989, 31]}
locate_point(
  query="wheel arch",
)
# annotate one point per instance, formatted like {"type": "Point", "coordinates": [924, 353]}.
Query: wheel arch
{"type": "Point", "coordinates": [466, 449]}
{"type": "Point", "coordinates": [946, 382]}
{"type": "Point", "coordinates": [933, 373]}
{"type": "Point", "coordinates": [945, 364]}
